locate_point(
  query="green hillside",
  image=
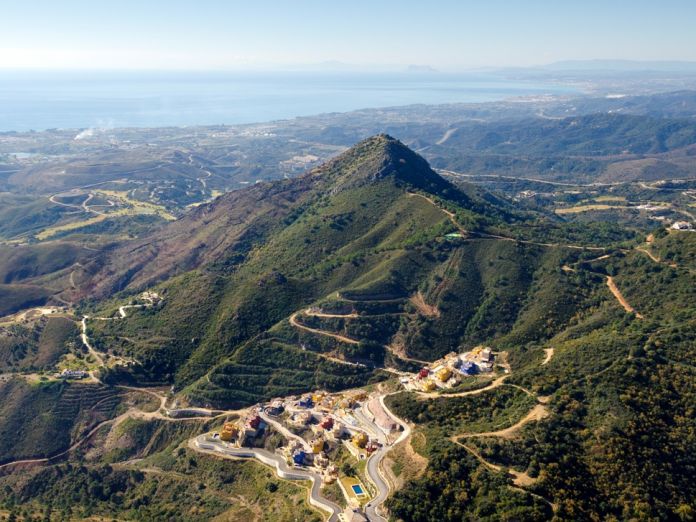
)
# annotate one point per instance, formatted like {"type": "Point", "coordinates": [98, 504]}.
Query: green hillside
{"type": "Point", "coordinates": [366, 265]}
{"type": "Point", "coordinates": [44, 419]}
{"type": "Point", "coordinates": [370, 227]}
{"type": "Point", "coordinates": [614, 436]}
{"type": "Point", "coordinates": [356, 225]}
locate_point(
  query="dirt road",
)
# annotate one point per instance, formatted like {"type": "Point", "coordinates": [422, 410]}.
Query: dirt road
{"type": "Point", "coordinates": [620, 298]}
{"type": "Point", "coordinates": [537, 413]}
{"type": "Point", "coordinates": [519, 478]}
{"type": "Point", "coordinates": [492, 386]}
{"type": "Point", "coordinates": [342, 338]}
{"type": "Point", "coordinates": [485, 235]}
{"type": "Point", "coordinates": [549, 355]}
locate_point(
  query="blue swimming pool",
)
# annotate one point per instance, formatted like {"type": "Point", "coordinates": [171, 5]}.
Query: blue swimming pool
{"type": "Point", "coordinates": [357, 489]}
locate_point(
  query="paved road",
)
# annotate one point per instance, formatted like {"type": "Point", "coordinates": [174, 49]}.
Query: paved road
{"type": "Point", "coordinates": [374, 472]}
{"type": "Point", "coordinates": [283, 430]}
{"type": "Point", "coordinates": [382, 487]}
{"type": "Point", "coordinates": [202, 443]}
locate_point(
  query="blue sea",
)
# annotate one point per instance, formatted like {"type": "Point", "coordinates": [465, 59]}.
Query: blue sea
{"type": "Point", "coordinates": [42, 100]}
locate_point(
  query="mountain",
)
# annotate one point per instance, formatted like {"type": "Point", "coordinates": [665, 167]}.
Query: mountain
{"type": "Point", "coordinates": [602, 147]}
{"type": "Point", "coordinates": [595, 135]}
{"type": "Point", "coordinates": [233, 270]}
{"type": "Point", "coordinates": [228, 227]}
{"type": "Point", "coordinates": [367, 231]}
{"type": "Point", "coordinates": [622, 65]}
{"type": "Point", "coordinates": [414, 68]}
{"type": "Point", "coordinates": [369, 265]}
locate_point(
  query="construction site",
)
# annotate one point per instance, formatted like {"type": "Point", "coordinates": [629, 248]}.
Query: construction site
{"type": "Point", "coordinates": [451, 370]}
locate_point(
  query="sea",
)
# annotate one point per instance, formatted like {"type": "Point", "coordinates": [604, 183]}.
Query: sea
{"type": "Point", "coordinates": [39, 100]}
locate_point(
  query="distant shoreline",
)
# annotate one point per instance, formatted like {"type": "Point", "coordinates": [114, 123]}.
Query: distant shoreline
{"type": "Point", "coordinates": [42, 100]}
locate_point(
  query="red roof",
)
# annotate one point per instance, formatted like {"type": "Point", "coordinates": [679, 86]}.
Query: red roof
{"type": "Point", "coordinates": [423, 373]}
{"type": "Point", "coordinates": [327, 423]}
{"type": "Point", "coordinates": [255, 422]}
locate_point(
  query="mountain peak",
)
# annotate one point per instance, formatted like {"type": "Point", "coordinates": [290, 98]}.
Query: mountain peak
{"type": "Point", "coordinates": [379, 157]}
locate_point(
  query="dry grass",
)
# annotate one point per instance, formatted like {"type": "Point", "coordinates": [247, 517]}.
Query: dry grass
{"type": "Point", "coordinates": [403, 464]}
{"type": "Point", "coordinates": [605, 199]}
{"type": "Point", "coordinates": [587, 208]}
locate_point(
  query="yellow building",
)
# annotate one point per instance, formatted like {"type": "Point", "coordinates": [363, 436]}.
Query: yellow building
{"type": "Point", "coordinates": [229, 432]}
{"type": "Point", "coordinates": [360, 439]}
{"type": "Point", "coordinates": [428, 385]}
{"type": "Point", "coordinates": [444, 374]}
{"type": "Point", "coordinates": [317, 445]}
{"type": "Point", "coordinates": [317, 397]}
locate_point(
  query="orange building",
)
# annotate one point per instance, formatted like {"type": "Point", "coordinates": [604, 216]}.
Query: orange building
{"type": "Point", "coordinates": [230, 431]}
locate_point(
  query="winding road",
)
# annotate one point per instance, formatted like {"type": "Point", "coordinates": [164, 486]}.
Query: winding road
{"type": "Point", "coordinates": [537, 413]}
{"type": "Point", "coordinates": [308, 311]}
{"type": "Point", "coordinates": [342, 338]}
{"type": "Point", "coordinates": [122, 315]}
{"type": "Point", "coordinates": [548, 355]}
{"type": "Point", "coordinates": [131, 413]}
{"type": "Point", "coordinates": [72, 447]}
{"type": "Point", "coordinates": [204, 445]}
{"type": "Point", "coordinates": [374, 471]}
{"type": "Point", "coordinates": [85, 341]}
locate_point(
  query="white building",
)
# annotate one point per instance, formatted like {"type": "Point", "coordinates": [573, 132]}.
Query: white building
{"type": "Point", "coordinates": [73, 374]}
{"type": "Point", "coordinates": [682, 225]}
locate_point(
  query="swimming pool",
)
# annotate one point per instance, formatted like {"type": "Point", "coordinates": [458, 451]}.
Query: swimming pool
{"type": "Point", "coordinates": [358, 490]}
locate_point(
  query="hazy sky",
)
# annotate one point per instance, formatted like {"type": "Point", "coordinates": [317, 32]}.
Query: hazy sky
{"type": "Point", "coordinates": [216, 34]}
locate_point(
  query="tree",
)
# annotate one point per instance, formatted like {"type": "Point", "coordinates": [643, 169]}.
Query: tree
{"type": "Point", "coordinates": [347, 469]}
{"type": "Point", "coordinates": [685, 512]}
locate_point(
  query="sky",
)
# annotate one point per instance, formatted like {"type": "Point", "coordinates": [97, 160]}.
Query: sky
{"type": "Point", "coordinates": [232, 34]}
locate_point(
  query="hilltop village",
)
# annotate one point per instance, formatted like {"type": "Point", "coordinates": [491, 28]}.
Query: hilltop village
{"type": "Point", "coordinates": [338, 439]}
